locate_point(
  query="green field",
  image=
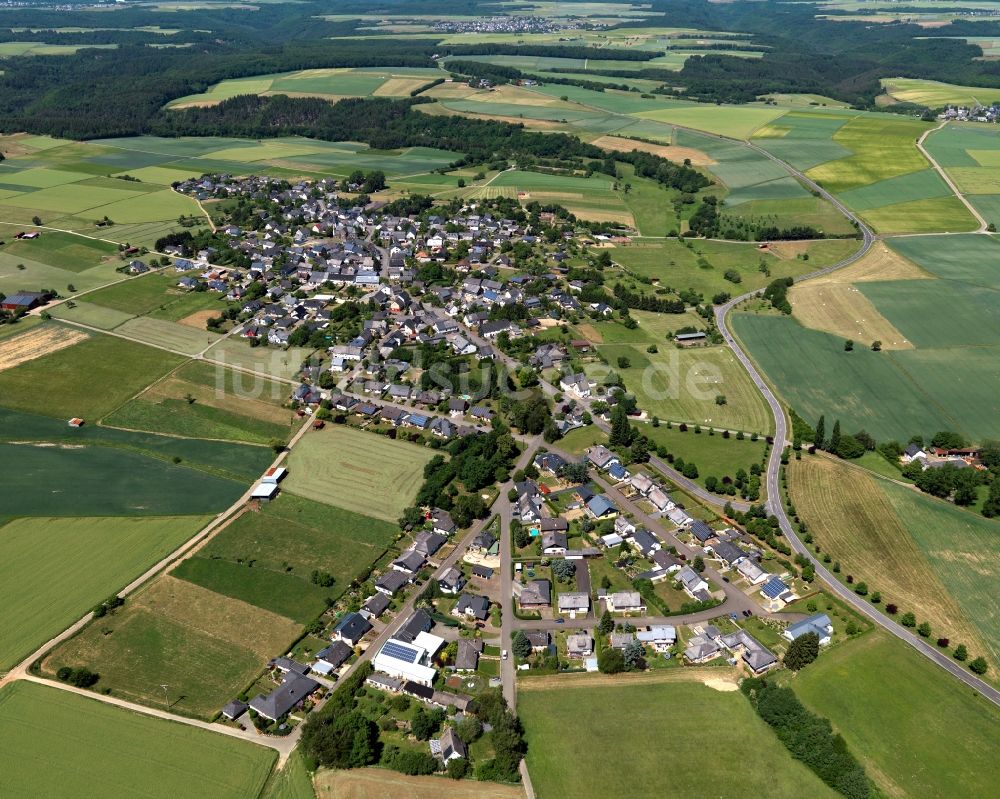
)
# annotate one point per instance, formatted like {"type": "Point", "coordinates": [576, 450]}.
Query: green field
{"type": "Point", "coordinates": [935, 94]}
{"type": "Point", "coordinates": [61, 480]}
{"type": "Point", "coordinates": [917, 730]}
{"type": "Point", "coordinates": [362, 472]}
{"type": "Point", "coordinates": [271, 361]}
{"type": "Point", "coordinates": [292, 782]}
{"type": "Point", "coordinates": [937, 215]}
{"type": "Point", "coordinates": [237, 461]}
{"type": "Point", "coordinates": [62, 250]}
{"type": "Point", "coordinates": [713, 455]}
{"type": "Point", "coordinates": [568, 731]}
{"type": "Point", "coordinates": [970, 154]}
{"type": "Point", "coordinates": [703, 266]}
{"type": "Point", "coordinates": [154, 292]}
{"type": "Point", "coordinates": [62, 384]}
{"type": "Point", "coordinates": [58, 744]}
{"type": "Point", "coordinates": [964, 550]}
{"type": "Point", "coordinates": [682, 384]}
{"type": "Point", "coordinates": [889, 394]}
{"type": "Point", "coordinates": [83, 560]}
{"type": "Point", "coordinates": [267, 558]}
{"type": "Point", "coordinates": [205, 646]}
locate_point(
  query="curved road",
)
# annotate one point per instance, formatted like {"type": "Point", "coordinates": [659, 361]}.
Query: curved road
{"type": "Point", "coordinates": [774, 502]}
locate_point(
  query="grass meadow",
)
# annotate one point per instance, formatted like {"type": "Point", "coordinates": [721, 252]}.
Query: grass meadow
{"type": "Point", "coordinates": [267, 558]}
{"type": "Point", "coordinates": [84, 561]}
{"type": "Point", "coordinates": [62, 384]}
{"type": "Point", "coordinates": [713, 454]}
{"type": "Point", "coordinates": [917, 731]}
{"type": "Point", "coordinates": [935, 94]}
{"type": "Point", "coordinates": [580, 738]}
{"type": "Point", "coordinates": [362, 472]}
{"type": "Point", "coordinates": [682, 385]}
{"type": "Point", "coordinates": [205, 646]}
{"type": "Point", "coordinates": [870, 530]}
{"type": "Point", "coordinates": [56, 743]}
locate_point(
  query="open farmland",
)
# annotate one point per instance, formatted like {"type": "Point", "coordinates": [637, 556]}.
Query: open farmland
{"type": "Point", "coordinates": [970, 154]}
{"type": "Point", "coordinates": [935, 94]}
{"type": "Point", "coordinates": [376, 783]}
{"type": "Point", "coordinates": [84, 560]}
{"type": "Point", "coordinates": [56, 743]}
{"type": "Point", "coordinates": [964, 550]}
{"type": "Point", "coordinates": [851, 516]}
{"type": "Point", "coordinates": [568, 729]}
{"type": "Point", "coordinates": [266, 558]}
{"type": "Point", "coordinates": [682, 385]}
{"type": "Point", "coordinates": [891, 394]}
{"type": "Point", "coordinates": [210, 402]}
{"type": "Point", "coordinates": [900, 716]}
{"type": "Point", "coordinates": [265, 361]}
{"type": "Point", "coordinates": [332, 84]}
{"type": "Point", "coordinates": [361, 472]}
{"type": "Point", "coordinates": [75, 480]}
{"type": "Point", "coordinates": [62, 384]}
{"type": "Point", "coordinates": [34, 343]}
{"type": "Point", "coordinates": [176, 633]}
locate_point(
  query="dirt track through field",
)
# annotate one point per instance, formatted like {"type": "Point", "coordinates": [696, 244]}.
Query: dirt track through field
{"type": "Point", "coordinates": [36, 343]}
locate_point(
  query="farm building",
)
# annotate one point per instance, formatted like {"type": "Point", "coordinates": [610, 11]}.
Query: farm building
{"type": "Point", "coordinates": [23, 301]}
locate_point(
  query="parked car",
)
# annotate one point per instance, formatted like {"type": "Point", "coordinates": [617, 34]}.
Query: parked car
{"type": "Point", "coordinates": [560, 621]}
{"type": "Point", "coordinates": [503, 654]}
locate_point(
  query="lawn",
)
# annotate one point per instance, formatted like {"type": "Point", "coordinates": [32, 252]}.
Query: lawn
{"type": "Point", "coordinates": [56, 744]}
{"type": "Point", "coordinates": [210, 402]}
{"type": "Point", "coordinates": [362, 472]}
{"type": "Point", "coordinates": [682, 385]}
{"type": "Point", "coordinates": [916, 729]}
{"type": "Point", "coordinates": [267, 558]}
{"type": "Point", "coordinates": [140, 295]}
{"type": "Point", "coordinates": [714, 455]}
{"type": "Point", "coordinates": [84, 561]}
{"type": "Point", "coordinates": [178, 634]}
{"type": "Point", "coordinates": [271, 361]}
{"type": "Point", "coordinates": [67, 480]}
{"type": "Point", "coordinates": [63, 384]}
{"type": "Point", "coordinates": [576, 441]}
{"type": "Point", "coordinates": [579, 737]}
{"type": "Point", "coordinates": [871, 531]}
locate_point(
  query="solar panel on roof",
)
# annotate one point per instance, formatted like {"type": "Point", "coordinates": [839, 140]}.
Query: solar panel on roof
{"type": "Point", "coordinates": [400, 651]}
{"type": "Point", "coordinates": [773, 588]}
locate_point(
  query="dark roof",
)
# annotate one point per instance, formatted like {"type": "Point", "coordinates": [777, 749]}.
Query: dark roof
{"type": "Point", "coordinates": [477, 606]}
{"type": "Point", "coordinates": [419, 622]}
{"type": "Point", "coordinates": [392, 581]}
{"type": "Point", "coordinates": [336, 654]}
{"type": "Point", "coordinates": [376, 604]}
{"type": "Point", "coordinates": [482, 571]}
{"type": "Point", "coordinates": [234, 709]}
{"type": "Point", "coordinates": [418, 690]}
{"type": "Point", "coordinates": [352, 627]}
{"type": "Point", "coordinates": [701, 531]}
{"type": "Point", "coordinates": [286, 696]}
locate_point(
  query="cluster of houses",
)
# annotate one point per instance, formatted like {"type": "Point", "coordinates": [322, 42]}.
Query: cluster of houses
{"type": "Point", "coordinates": [936, 457]}
{"type": "Point", "coordinates": [973, 113]}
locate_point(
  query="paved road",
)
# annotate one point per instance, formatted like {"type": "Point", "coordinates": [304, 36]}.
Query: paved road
{"type": "Point", "coordinates": [774, 502]}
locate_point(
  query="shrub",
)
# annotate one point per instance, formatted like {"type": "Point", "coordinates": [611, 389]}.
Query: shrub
{"type": "Point", "coordinates": [979, 666]}
{"type": "Point", "coordinates": [908, 620]}
{"type": "Point", "coordinates": [943, 643]}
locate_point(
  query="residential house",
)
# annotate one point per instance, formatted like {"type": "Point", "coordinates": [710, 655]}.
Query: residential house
{"type": "Point", "coordinates": [451, 581]}
{"type": "Point", "coordinates": [751, 571]}
{"type": "Point", "coordinates": [294, 689]}
{"type": "Point", "coordinates": [757, 657]}
{"type": "Point", "coordinates": [535, 594]}
{"type": "Point", "coordinates": [448, 747]}
{"type": "Point", "coordinates": [352, 628]}
{"type": "Point", "coordinates": [625, 602]}
{"type": "Point", "coordinates": [819, 624]}
{"type": "Point", "coordinates": [471, 606]}
{"type": "Point", "coordinates": [554, 543]}
{"type": "Point", "coordinates": [467, 657]}
{"type": "Point", "coordinates": [691, 581]}
{"type": "Point", "coordinates": [573, 602]}
{"type": "Point", "coordinates": [391, 582]}
{"type": "Point", "coordinates": [601, 457]}
{"type": "Point", "coordinates": [375, 605]}
{"type": "Point", "coordinates": [579, 645]}
{"type": "Point", "coordinates": [661, 638]}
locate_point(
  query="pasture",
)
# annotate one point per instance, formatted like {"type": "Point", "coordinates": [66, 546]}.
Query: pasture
{"type": "Point", "coordinates": [850, 514]}
{"type": "Point", "coordinates": [267, 557]}
{"type": "Point", "coordinates": [177, 633]}
{"type": "Point", "coordinates": [361, 472]}
{"type": "Point", "coordinates": [62, 383]}
{"type": "Point", "coordinates": [84, 561]}
{"type": "Point", "coordinates": [682, 385]}
{"type": "Point", "coordinates": [210, 402]}
{"type": "Point", "coordinates": [899, 714]}
{"type": "Point", "coordinates": [599, 710]}
{"type": "Point", "coordinates": [74, 480]}
{"type": "Point", "coordinates": [891, 394]}
{"type": "Point", "coordinates": [57, 743]}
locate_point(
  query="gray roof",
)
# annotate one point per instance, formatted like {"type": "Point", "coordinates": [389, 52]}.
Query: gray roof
{"type": "Point", "coordinates": [352, 627]}
{"type": "Point", "coordinates": [286, 696]}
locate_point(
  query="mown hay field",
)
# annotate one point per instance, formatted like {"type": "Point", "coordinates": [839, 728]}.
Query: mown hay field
{"type": "Point", "coordinates": [362, 472]}
{"type": "Point", "coordinates": [205, 646]}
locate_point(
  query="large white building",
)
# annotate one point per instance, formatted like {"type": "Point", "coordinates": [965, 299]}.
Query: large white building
{"type": "Point", "coordinates": [409, 661]}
